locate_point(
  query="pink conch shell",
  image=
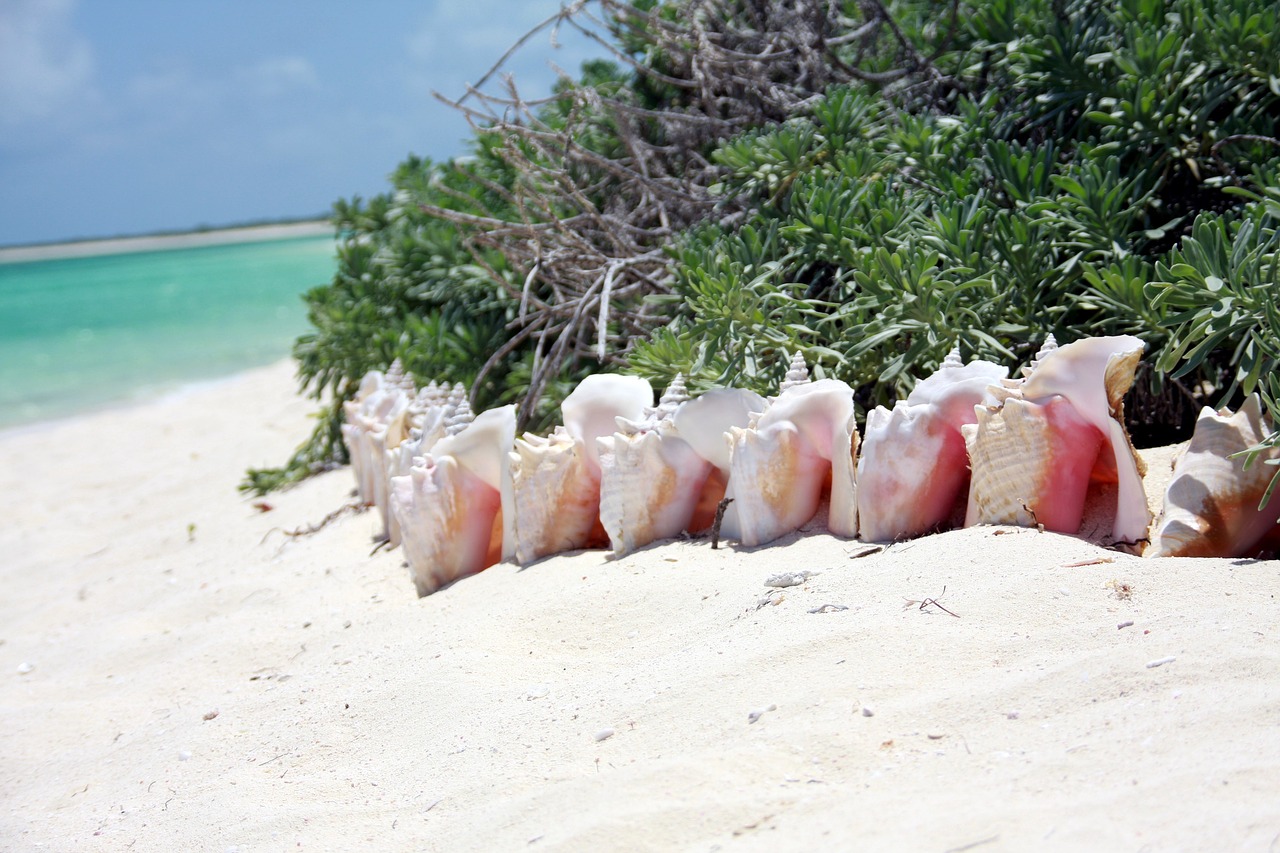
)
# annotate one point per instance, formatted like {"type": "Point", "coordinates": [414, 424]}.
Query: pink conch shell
{"type": "Point", "coordinates": [1031, 464]}
{"type": "Point", "coordinates": [913, 466]}
{"type": "Point", "coordinates": [780, 467]}
{"type": "Point", "coordinates": [454, 507]}
{"type": "Point", "coordinates": [1034, 455]}
{"type": "Point", "coordinates": [557, 479]}
{"type": "Point", "coordinates": [666, 474]}
{"type": "Point", "coordinates": [1211, 504]}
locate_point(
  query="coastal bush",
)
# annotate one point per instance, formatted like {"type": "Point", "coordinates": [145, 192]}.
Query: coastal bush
{"type": "Point", "coordinates": [530, 263]}
{"type": "Point", "coordinates": [1064, 161]}
{"type": "Point", "coordinates": [1221, 289]}
{"type": "Point", "coordinates": [868, 183]}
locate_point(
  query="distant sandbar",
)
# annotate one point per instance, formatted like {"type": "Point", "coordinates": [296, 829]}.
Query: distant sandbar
{"type": "Point", "coordinates": [159, 242]}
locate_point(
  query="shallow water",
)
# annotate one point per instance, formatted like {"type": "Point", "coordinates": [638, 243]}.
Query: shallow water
{"type": "Point", "coordinates": [80, 333]}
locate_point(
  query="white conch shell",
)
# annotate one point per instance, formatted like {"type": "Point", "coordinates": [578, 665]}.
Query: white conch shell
{"type": "Point", "coordinates": [780, 466]}
{"type": "Point", "coordinates": [913, 466]}
{"type": "Point", "coordinates": [1033, 456]}
{"type": "Point", "coordinates": [366, 397]}
{"type": "Point", "coordinates": [378, 441]}
{"type": "Point", "coordinates": [436, 412]}
{"type": "Point", "coordinates": [373, 418]}
{"type": "Point", "coordinates": [454, 507]}
{"type": "Point", "coordinates": [557, 479]}
{"type": "Point", "coordinates": [1211, 504]}
{"type": "Point", "coordinates": [704, 421]}
{"type": "Point", "coordinates": [668, 474]}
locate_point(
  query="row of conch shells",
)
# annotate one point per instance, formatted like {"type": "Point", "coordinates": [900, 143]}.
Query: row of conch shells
{"type": "Point", "coordinates": [968, 446]}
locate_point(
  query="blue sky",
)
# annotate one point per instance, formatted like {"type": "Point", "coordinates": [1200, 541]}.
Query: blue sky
{"type": "Point", "coordinates": [127, 116]}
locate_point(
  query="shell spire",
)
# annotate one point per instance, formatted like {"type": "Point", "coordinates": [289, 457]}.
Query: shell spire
{"type": "Point", "coordinates": [1050, 344]}
{"type": "Point", "coordinates": [431, 395]}
{"type": "Point", "coordinates": [653, 417]}
{"type": "Point", "coordinates": [457, 420]}
{"type": "Point", "coordinates": [797, 373]}
{"type": "Point", "coordinates": [397, 378]}
{"type": "Point", "coordinates": [454, 394]}
{"type": "Point", "coordinates": [952, 360]}
{"type": "Point", "coordinates": [676, 394]}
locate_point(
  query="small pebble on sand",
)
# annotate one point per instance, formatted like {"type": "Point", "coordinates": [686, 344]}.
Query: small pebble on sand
{"type": "Point", "coordinates": [867, 712]}
{"type": "Point", "coordinates": [604, 734]}
{"type": "Point", "coordinates": [786, 579]}
{"type": "Point", "coordinates": [25, 667]}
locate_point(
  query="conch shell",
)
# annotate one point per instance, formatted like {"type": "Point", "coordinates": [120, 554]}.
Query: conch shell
{"type": "Point", "coordinates": [913, 467]}
{"type": "Point", "coordinates": [437, 411]}
{"type": "Point", "coordinates": [1211, 506]}
{"type": "Point", "coordinates": [557, 479]}
{"type": "Point", "coordinates": [375, 404]}
{"type": "Point", "coordinates": [1034, 454]}
{"type": "Point", "coordinates": [454, 506]}
{"type": "Point", "coordinates": [780, 466]}
{"type": "Point", "coordinates": [666, 474]}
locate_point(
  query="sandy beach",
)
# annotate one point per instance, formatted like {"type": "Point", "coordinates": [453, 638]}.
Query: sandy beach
{"type": "Point", "coordinates": [180, 674]}
{"type": "Point", "coordinates": [159, 242]}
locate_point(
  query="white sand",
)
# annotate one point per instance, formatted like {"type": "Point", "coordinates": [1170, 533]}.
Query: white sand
{"type": "Point", "coordinates": [157, 242]}
{"type": "Point", "coordinates": [352, 715]}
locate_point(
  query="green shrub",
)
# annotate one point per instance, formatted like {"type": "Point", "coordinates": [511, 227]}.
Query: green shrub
{"type": "Point", "coordinates": [1069, 164]}
{"type": "Point", "coordinates": [878, 184]}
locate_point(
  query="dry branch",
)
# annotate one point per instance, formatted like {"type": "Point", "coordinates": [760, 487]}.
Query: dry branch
{"type": "Point", "coordinates": [611, 175]}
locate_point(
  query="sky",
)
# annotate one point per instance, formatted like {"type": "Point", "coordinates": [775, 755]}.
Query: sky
{"type": "Point", "coordinates": [130, 116]}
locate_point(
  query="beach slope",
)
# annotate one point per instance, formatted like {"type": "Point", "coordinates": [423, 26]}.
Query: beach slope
{"type": "Point", "coordinates": [179, 673]}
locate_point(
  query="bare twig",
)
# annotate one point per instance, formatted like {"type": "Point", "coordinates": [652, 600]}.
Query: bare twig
{"type": "Point", "coordinates": [312, 529]}
{"type": "Point", "coordinates": [585, 230]}
{"type": "Point", "coordinates": [929, 602]}
{"type": "Point", "coordinates": [715, 525]}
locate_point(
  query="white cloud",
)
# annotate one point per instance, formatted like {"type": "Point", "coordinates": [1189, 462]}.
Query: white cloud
{"type": "Point", "coordinates": [279, 76]}
{"type": "Point", "coordinates": [46, 67]}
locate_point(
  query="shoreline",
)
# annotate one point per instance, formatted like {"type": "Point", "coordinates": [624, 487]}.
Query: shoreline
{"type": "Point", "coordinates": [147, 396]}
{"type": "Point", "coordinates": [162, 242]}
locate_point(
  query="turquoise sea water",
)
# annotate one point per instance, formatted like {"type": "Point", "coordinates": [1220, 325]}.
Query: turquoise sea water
{"type": "Point", "coordinates": [80, 333]}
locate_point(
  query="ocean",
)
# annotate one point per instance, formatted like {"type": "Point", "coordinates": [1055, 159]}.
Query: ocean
{"type": "Point", "coordinates": [82, 333]}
